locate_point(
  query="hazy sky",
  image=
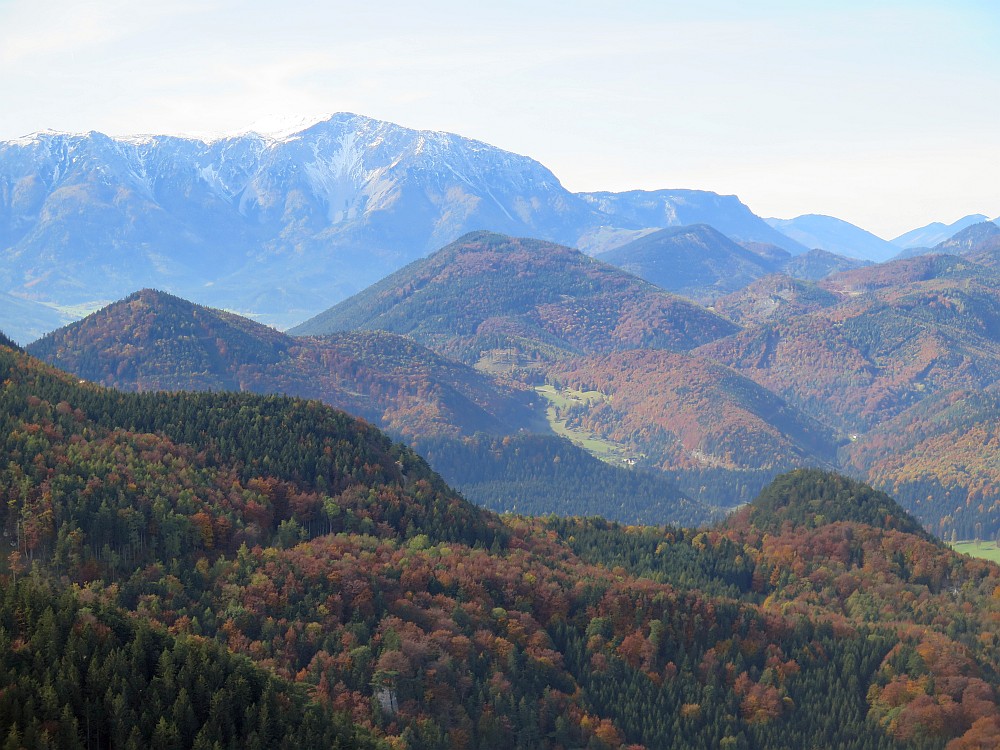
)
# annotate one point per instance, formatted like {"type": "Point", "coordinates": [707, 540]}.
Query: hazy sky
{"type": "Point", "coordinates": [886, 114]}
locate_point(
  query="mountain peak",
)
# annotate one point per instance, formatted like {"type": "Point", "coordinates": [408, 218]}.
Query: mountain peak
{"type": "Point", "coordinates": [812, 497]}
{"type": "Point", "coordinates": [488, 292]}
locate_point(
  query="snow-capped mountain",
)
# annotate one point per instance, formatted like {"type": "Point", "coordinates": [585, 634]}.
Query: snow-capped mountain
{"type": "Point", "coordinates": [283, 225]}
{"type": "Point", "coordinates": [274, 225]}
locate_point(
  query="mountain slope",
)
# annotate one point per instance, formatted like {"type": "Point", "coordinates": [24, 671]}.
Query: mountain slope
{"type": "Point", "coordinates": [155, 341]}
{"type": "Point", "coordinates": [812, 498]}
{"type": "Point", "coordinates": [899, 333]}
{"type": "Point", "coordinates": [693, 261]}
{"type": "Point", "coordinates": [490, 295]}
{"type": "Point", "coordinates": [691, 418]}
{"type": "Point", "coordinates": [774, 296]}
{"type": "Point", "coordinates": [835, 236]}
{"type": "Point", "coordinates": [939, 459]}
{"type": "Point", "coordinates": [936, 232]}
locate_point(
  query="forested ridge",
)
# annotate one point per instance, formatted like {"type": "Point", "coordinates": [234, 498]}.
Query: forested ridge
{"type": "Point", "coordinates": [154, 341]}
{"type": "Point", "coordinates": [287, 559]}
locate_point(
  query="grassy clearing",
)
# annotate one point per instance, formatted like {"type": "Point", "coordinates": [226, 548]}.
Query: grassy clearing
{"type": "Point", "coordinates": [597, 446]}
{"type": "Point", "coordinates": [985, 550]}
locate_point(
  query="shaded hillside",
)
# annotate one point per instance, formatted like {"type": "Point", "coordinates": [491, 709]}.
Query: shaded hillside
{"type": "Point", "coordinates": [309, 544]}
{"type": "Point", "coordinates": [5, 341]}
{"type": "Point", "coordinates": [155, 341]}
{"type": "Point", "coordinates": [487, 295]}
{"type": "Point", "coordinates": [540, 475]}
{"type": "Point", "coordinates": [108, 679]}
{"type": "Point", "coordinates": [695, 261]}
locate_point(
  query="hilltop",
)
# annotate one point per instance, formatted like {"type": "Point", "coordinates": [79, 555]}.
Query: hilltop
{"type": "Point", "coordinates": [155, 341]}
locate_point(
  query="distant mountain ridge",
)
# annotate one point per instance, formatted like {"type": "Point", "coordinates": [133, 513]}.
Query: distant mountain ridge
{"type": "Point", "coordinates": [695, 261]}
{"type": "Point", "coordinates": [836, 236]}
{"type": "Point", "coordinates": [936, 232]}
{"type": "Point", "coordinates": [701, 263]}
{"type": "Point", "coordinates": [669, 208]}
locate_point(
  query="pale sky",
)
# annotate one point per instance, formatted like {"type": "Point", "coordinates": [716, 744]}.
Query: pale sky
{"type": "Point", "coordinates": [885, 114]}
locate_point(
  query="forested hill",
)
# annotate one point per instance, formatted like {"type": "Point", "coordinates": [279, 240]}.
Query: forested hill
{"type": "Point", "coordinates": [152, 340]}
{"type": "Point", "coordinates": [488, 292]}
{"type": "Point", "coordinates": [812, 498]}
{"type": "Point", "coordinates": [156, 341]}
{"type": "Point", "coordinates": [904, 360]}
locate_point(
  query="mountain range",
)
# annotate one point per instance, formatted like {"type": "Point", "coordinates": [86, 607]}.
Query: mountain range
{"type": "Point", "coordinates": [279, 227]}
{"type": "Point", "coordinates": [835, 236]}
{"type": "Point", "coordinates": [455, 414]}
{"type": "Point", "coordinates": [492, 352]}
